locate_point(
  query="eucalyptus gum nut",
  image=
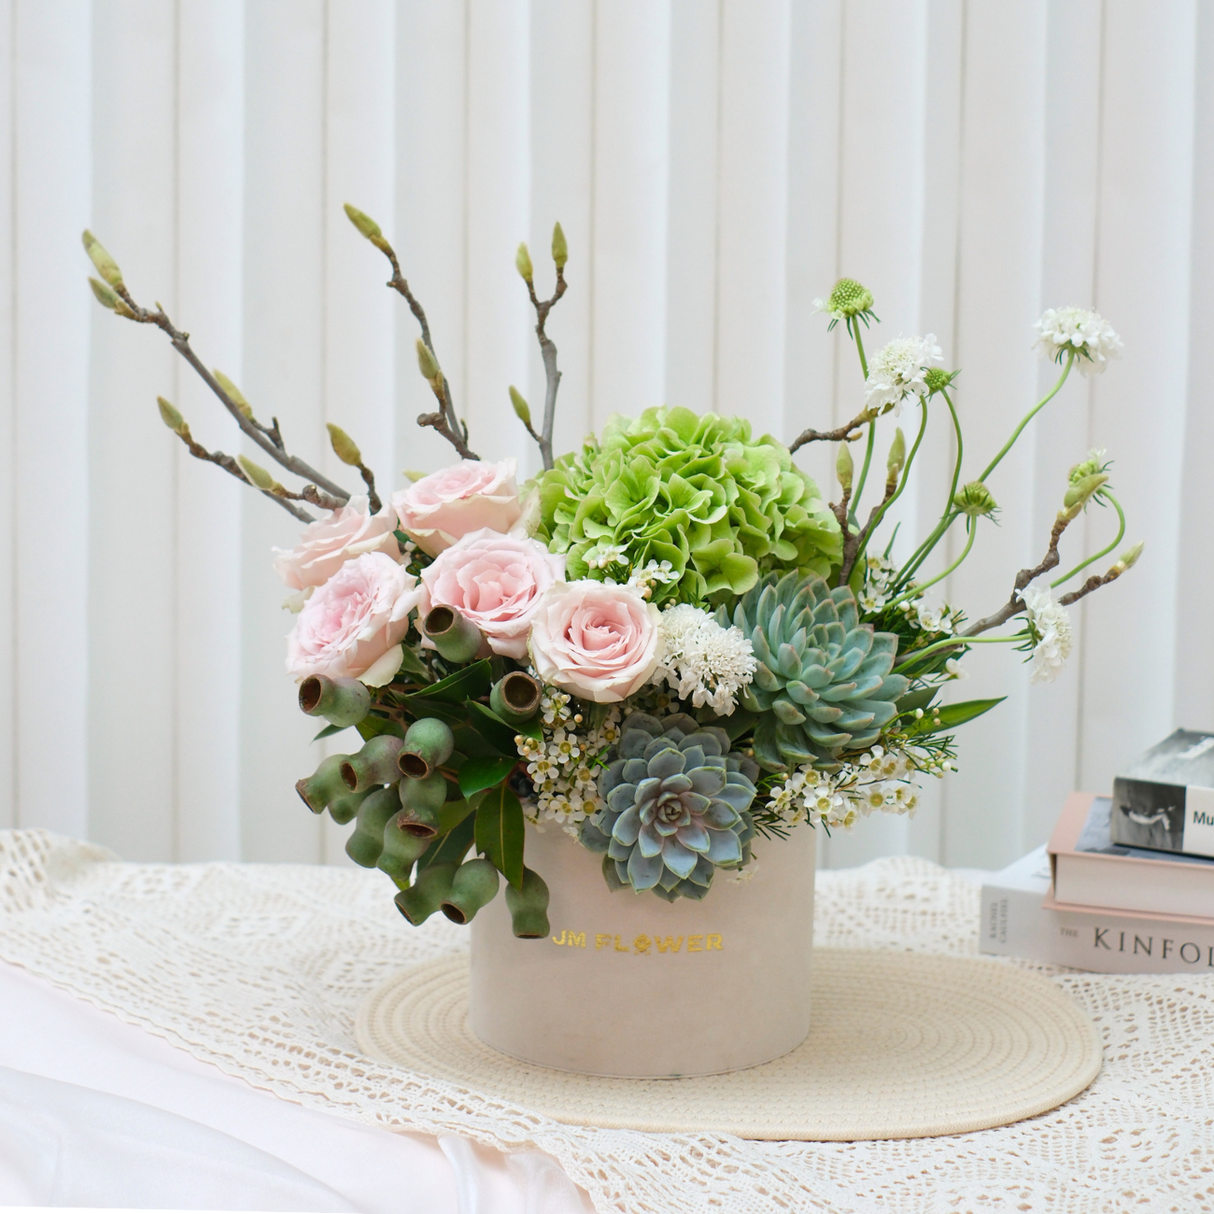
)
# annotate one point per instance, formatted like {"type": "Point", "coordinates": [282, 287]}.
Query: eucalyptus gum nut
{"type": "Point", "coordinates": [426, 894]}
{"type": "Point", "coordinates": [473, 886]}
{"type": "Point", "coordinates": [374, 764]}
{"type": "Point", "coordinates": [528, 907]}
{"type": "Point", "coordinates": [366, 840]}
{"type": "Point", "coordinates": [515, 698]}
{"type": "Point", "coordinates": [343, 809]}
{"type": "Point", "coordinates": [401, 850]}
{"type": "Point", "coordinates": [324, 785]}
{"type": "Point", "coordinates": [456, 638]}
{"type": "Point", "coordinates": [341, 702]}
{"type": "Point", "coordinates": [424, 797]}
{"type": "Point", "coordinates": [428, 745]}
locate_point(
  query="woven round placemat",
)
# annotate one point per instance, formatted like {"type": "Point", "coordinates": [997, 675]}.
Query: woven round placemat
{"type": "Point", "coordinates": [903, 1045]}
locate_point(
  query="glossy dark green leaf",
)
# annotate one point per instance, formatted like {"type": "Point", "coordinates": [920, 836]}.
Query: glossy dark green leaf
{"type": "Point", "coordinates": [329, 731]}
{"type": "Point", "coordinates": [372, 726]}
{"type": "Point", "coordinates": [451, 847]}
{"type": "Point", "coordinates": [492, 728]}
{"type": "Point", "coordinates": [471, 681]}
{"type": "Point", "coordinates": [476, 775]}
{"type": "Point", "coordinates": [500, 831]}
{"type": "Point", "coordinates": [952, 715]}
{"type": "Point", "coordinates": [917, 699]}
{"type": "Point", "coordinates": [412, 663]}
{"type": "Point", "coordinates": [454, 812]}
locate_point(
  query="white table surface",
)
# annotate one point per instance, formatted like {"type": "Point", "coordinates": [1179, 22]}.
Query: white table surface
{"type": "Point", "coordinates": [95, 1112]}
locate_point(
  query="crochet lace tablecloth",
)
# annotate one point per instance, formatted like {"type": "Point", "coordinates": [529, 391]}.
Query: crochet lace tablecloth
{"type": "Point", "coordinates": [260, 968]}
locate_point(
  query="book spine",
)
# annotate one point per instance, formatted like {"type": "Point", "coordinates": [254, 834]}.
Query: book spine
{"type": "Point", "coordinates": [1014, 923]}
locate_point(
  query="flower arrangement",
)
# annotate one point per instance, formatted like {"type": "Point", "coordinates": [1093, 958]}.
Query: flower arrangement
{"type": "Point", "coordinates": [668, 643]}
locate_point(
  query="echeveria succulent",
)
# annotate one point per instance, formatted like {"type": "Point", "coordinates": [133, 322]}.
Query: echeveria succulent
{"type": "Point", "coordinates": [823, 684]}
{"type": "Point", "coordinates": [677, 807]}
{"type": "Point", "coordinates": [694, 491]}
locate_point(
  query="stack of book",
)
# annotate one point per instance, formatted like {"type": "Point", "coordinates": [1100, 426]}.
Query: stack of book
{"type": "Point", "coordinates": [1126, 883]}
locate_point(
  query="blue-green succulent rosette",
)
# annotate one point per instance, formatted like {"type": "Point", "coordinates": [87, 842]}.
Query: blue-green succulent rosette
{"type": "Point", "coordinates": [677, 801]}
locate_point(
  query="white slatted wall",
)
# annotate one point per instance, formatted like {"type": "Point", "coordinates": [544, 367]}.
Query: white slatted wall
{"type": "Point", "coordinates": [716, 165]}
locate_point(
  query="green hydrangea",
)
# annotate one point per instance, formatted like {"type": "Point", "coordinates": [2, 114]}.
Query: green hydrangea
{"type": "Point", "coordinates": [697, 492]}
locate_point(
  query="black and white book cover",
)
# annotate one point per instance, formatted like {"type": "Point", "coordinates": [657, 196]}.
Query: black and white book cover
{"type": "Point", "coordinates": [1165, 799]}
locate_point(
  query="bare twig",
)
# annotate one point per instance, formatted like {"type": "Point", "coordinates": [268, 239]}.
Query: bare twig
{"type": "Point", "coordinates": [229, 465]}
{"type": "Point", "coordinates": [369, 479]}
{"type": "Point", "coordinates": [1093, 583]}
{"type": "Point", "coordinates": [269, 439]}
{"type": "Point", "coordinates": [842, 434]}
{"type": "Point", "coordinates": [854, 542]}
{"type": "Point", "coordinates": [1015, 604]}
{"type": "Point", "coordinates": [548, 354]}
{"type": "Point", "coordinates": [445, 420]}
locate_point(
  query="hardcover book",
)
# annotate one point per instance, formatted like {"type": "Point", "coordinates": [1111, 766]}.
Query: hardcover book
{"type": "Point", "coordinates": [1089, 869]}
{"type": "Point", "coordinates": [1020, 918]}
{"type": "Point", "coordinates": [1165, 799]}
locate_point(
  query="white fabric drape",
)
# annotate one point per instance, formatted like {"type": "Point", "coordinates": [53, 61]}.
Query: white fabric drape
{"type": "Point", "coordinates": [716, 165]}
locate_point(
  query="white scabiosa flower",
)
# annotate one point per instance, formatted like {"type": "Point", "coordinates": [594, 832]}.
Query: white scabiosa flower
{"type": "Point", "coordinates": [1079, 331]}
{"type": "Point", "coordinates": [899, 370]}
{"type": "Point", "coordinates": [1050, 627]}
{"type": "Point", "coordinates": [703, 661]}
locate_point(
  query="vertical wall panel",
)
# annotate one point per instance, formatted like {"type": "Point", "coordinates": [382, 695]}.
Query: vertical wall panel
{"type": "Point", "coordinates": [210, 247]}
{"type": "Point", "coordinates": [8, 501]}
{"type": "Point", "coordinates": [631, 125]}
{"type": "Point", "coordinates": [132, 532]}
{"type": "Point", "coordinates": [52, 187]}
{"type": "Point", "coordinates": [284, 376]}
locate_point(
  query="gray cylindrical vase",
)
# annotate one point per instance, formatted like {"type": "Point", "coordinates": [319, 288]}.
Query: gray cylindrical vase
{"type": "Point", "coordinates": [630, 985]}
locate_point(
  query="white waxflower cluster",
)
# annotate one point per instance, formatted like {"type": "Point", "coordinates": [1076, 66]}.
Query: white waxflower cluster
{"type": "Point", "coordinates": [899, 370]}
{"type": "Point", "coordinates": [1051, 628]}
{"type": "Point", "coordinates": [656, 572]}
{"type": "Point", "coordinates": [1081, 331]}
{"type": "Point", "coordinates": [702, 660]}
{"type": "Point", "coordinates": [879, 779]}
{"type": "Point", "coordinates": [878, 590]}
{"type": "Point", "coordinates": [563, 763]}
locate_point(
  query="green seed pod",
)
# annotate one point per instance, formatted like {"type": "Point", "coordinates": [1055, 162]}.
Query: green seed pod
{"type": "Point", "coordinates": [374, 764]}
{"type": "Point", "coordinates": [366, 840]}
{"type": "Point", "coordinates": [473, 886]}
{"type": "Point", "coordinates": [401, 850]}
{"type": "Point", "coordinates": [560, 247]}
{"type": "Point", "coordinates": [457, 639]}
{"type": "Point", "coordinates": [529, 907]}
{"type": "Point", "coordinates": [324, 785]}
{"type": "Point", "coordinates": [342, 809]}
{"type": "Point", "coordinates": [515, 698]}
{"type": "Point", "coordinates": [234, 394]}
{"type": "Point", "coordinates": [344, 447]}
{"type": "Point", "coordinates": [426, 894]}
{"type": "Point", "coordinates": [522, 263]}
{"type": "Point", "coordinates": [428, 745]}
{"type": "Point", "coordinates": [340, 701]}
{"type": "Point", "coordinates": [421, 800]}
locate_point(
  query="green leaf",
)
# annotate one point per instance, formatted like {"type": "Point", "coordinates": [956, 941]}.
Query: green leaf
{"type": "Point", "coordinates": [479, 774]}
{"type": "Point", "coordinates": [493, 729]}
{"type": "Point", "coordinates": [952, 715]}
{"type": "Point", "coordinates": [412, 663]}
{"type": "Point", "coordinates": [471, 681]}
{"type": "Point", "coordinates": [451, 847]}
{"type": "Point", "coordinates": [454, 812]}
{"type": "Point", "coordinates": [499, 833]}
{"type": "Point", "coordinates": [329, 731]}
{"type": "Point", "coordinates": [917, 699]}
{"type": "Point", "coordinates": [372, 726]}
{"type": "Point", "coordinates": [531, 729]}
{"type": "Point", "coordinates": [738, 723]}
{"type": "Point", "coordinates": [470, 744]}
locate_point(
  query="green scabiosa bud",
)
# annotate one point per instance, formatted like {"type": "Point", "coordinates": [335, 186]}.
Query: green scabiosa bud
{"type": "Point", "coordinates": [937, 379]}
{"type": "Point", "coordinates": [1094, 464]}
{"type": "Point", "coordinates": [975, 501]}
{"type": "Point", "coordinates": [848, 298]}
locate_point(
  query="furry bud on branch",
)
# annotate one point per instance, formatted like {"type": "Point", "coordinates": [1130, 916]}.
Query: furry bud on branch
{"type": "Point", "coordinates": [845, 467]}
{"type": "Point", "coordinates": [171, 417]}
{"type": "Point", "coordinates": [522, 263]}
{"type": "Point", "coordinates": [234, 393]}
{"type": "Point", "coordinates": [1129, 558]}
{"type": "Point", "coordinates": [257, 476]}
{"type": "Point", "coordinates": [344, 447]}
{"type": "Point", "coordinates": [560, 249]}
{"type": "Point", "coordinates": [366, 226]}
{"type": "Point", "coordinates": [897, 453]}
{"type": "Point", "coordinates": [107, 267]}
{"type": "Point", "coordinates": [427, 364]}
{"type": "Point", "coordinates": [521, 409]}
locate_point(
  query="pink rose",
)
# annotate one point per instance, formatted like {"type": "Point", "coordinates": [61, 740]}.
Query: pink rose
{"type": "Point", "coordinates": [595, 641]}
{"type": "Point", "coordinates": [445, 506]}
{"type": "Point", "coordinates": [353, 625]}
{"type": "Point", "coordinates": [495, 581]}
{"type": "Point", "coordinates": [329, 542]}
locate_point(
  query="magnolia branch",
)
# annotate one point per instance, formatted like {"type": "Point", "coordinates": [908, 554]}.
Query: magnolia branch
{"type": "Point", "coordinates": [854, 542]}
{"type": "Point", "coordinates": [842, 434]}
{"type": "Point", "coordinates": [1015, 604]}
{"type": "Point", "coordinates": [1093, 583]}
{"type": "Point", "coordinates": [268, 438]}
{"type": "Point", "coordinates": [552, 375]}
{"type": "Point", "coordinates": [444, 421]}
